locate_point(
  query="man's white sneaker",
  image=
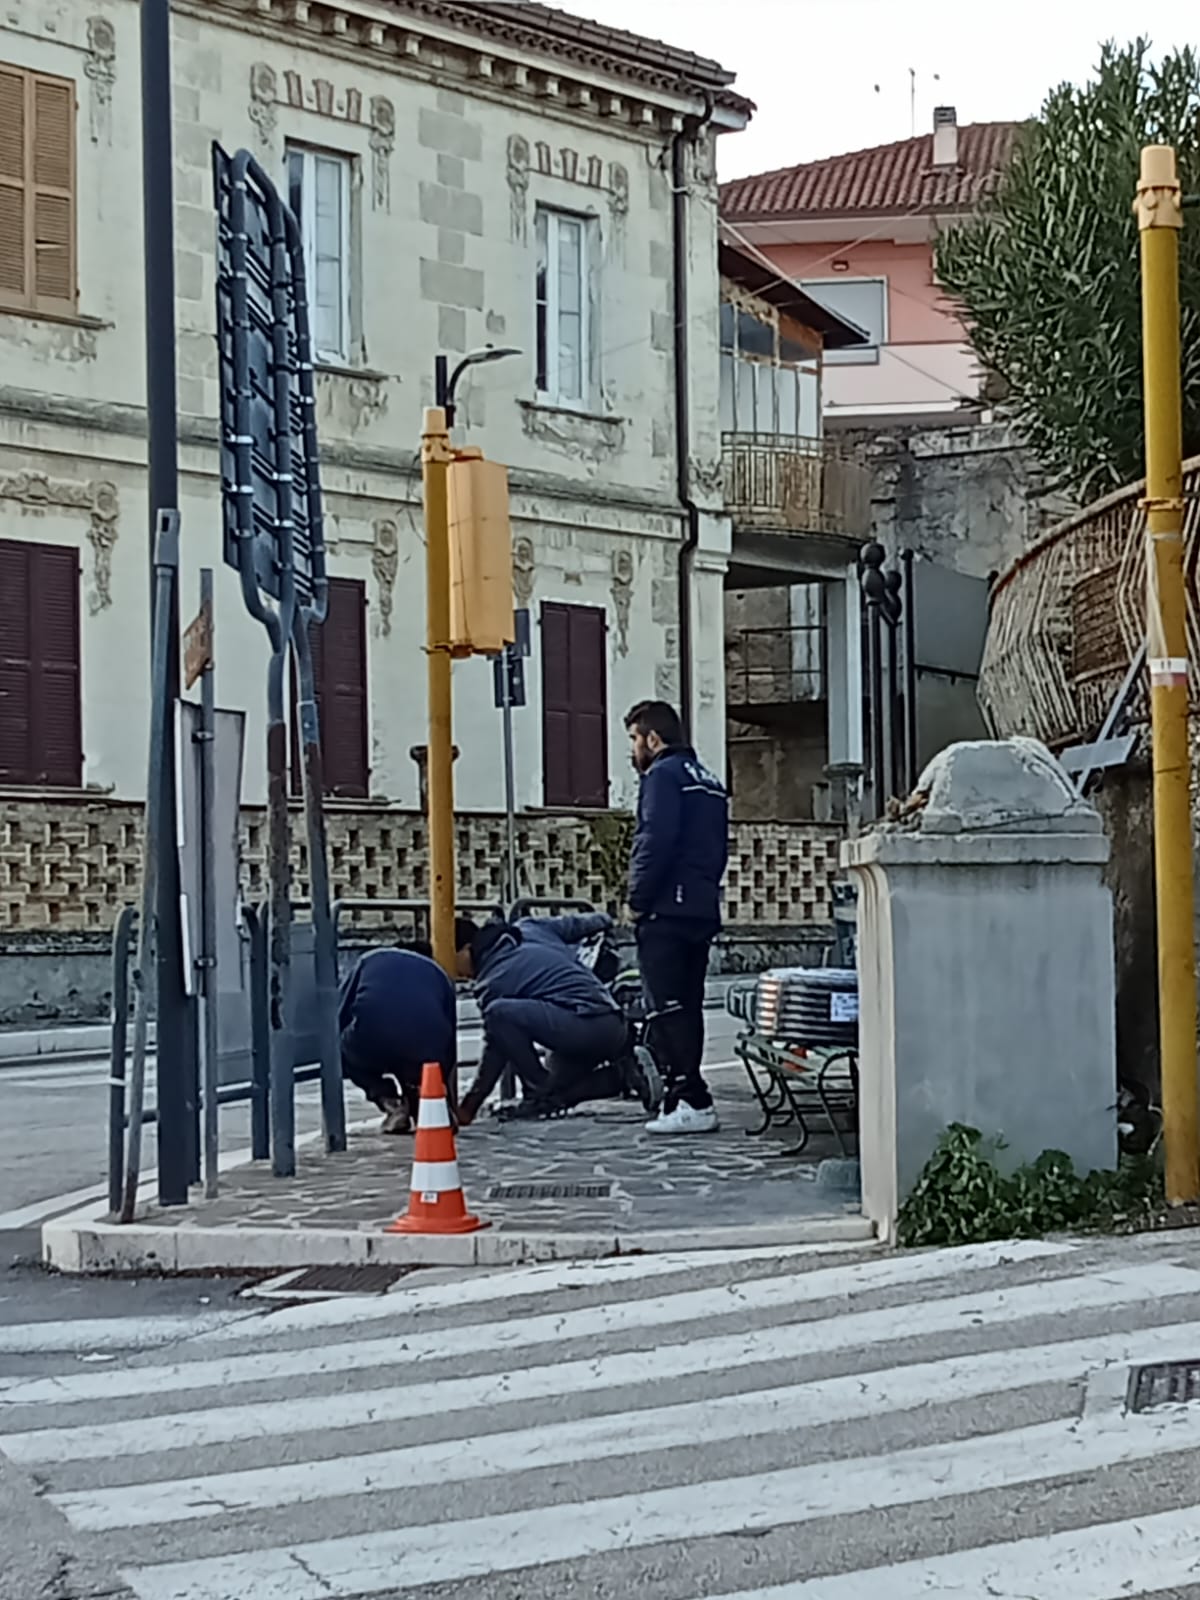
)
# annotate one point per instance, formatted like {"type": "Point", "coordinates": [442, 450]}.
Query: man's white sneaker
{"type": "Point", "coordinates": [685, 1119]}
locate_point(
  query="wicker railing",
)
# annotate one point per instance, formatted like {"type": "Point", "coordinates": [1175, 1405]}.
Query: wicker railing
{"type": "Point", "coordinates": [1068, 617]}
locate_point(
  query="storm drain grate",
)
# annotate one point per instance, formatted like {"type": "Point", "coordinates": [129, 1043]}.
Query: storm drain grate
{"type": "Point", "coordinates": [311, 1282]}
{"type": "Point", "coordinates": [1168, 1383]}
{"type": "Point", "coordinates": [550, 1191]}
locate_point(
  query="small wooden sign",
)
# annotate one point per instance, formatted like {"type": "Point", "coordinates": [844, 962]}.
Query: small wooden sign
{"type": "Point", "coordinates": [197, 647]}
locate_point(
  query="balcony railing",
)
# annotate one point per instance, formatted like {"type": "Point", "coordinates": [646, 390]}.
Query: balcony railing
{"type": "Point", "coordinates": [774, 666]}
{"type": "Point", "coordinates": [775, 483]}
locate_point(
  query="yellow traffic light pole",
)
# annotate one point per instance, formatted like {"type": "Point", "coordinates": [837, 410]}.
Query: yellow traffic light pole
{"type": "Point", "coordinates": [436, 456]}
{"type": "Point", "coordinates": [1159, 212]}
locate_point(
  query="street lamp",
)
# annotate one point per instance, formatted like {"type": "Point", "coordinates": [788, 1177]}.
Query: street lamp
{"type": "Point", "coordinates": [444, 386]}
{"type": "Point", "coordinates": [437, 454]}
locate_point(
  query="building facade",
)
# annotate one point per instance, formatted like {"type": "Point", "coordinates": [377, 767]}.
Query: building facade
{"type": "Point", "coordinates": [465, 174]}
{"type": "Point", "coordinates": [858, 232]}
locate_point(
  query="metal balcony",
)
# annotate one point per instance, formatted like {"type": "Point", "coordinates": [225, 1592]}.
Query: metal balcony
{"type": "Point", "coordinates": [781, 484]}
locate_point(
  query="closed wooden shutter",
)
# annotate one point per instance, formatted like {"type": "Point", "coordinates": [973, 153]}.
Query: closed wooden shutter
{"type": "Point", "coordinates": [574, 706]}
{"type": "Point", "coordinates": [53, 192]}
{"type": "Point", "coordinates": [40, 733]}
{"type": "Point", "coordinates": [14, 242]}
{"type": "Point", "coordinates": [37, 191]}
{"type": "Point", "coordinates": [339, 650]}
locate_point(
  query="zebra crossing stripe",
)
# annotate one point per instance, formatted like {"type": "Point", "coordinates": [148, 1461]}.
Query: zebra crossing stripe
{"type": "Point", "coordinates": [698, 1424]}
{"type": "Point", "coordinates": [418, 1557]}
{"type": "Point", "coordinates": [216, 1424]}
{"type": "Point", "coordinates": [1108, 1561]}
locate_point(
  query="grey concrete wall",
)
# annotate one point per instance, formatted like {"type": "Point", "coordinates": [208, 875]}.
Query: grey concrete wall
{"type": "Point", "coordinates": [64, 982]}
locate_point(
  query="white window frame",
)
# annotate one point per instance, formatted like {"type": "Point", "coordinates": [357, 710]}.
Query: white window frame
{"type": "Point", "coordinates": [864, 355]}
{"type": "Point", "coordinates": [338, 354]}
{"type": "Point", "coordinates": [551, 394]}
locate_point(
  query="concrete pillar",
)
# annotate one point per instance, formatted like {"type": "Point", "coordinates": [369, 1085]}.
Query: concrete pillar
{"type": "Point", "coordinates": [985, 960]}
{"type": "Point", "coordinates": [843, 623]}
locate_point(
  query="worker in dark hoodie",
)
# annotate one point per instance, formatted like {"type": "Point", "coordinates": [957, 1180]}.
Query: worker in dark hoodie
{"type": "Point", "coordinates": [533, 991]}
{"type": "Point", "coordinates": [397, 1011]}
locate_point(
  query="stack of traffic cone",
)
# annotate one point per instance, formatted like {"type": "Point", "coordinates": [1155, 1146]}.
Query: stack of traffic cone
{"type": "Point", "coordinates": [436, 1203]}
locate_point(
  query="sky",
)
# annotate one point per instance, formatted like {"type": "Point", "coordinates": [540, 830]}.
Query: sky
{"type": "Point", "coordinates": [829, 76]}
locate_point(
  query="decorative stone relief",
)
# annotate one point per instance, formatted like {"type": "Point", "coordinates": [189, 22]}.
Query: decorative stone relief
{"type": "Point", "coordinates": [100, 69]}
{"type": "Point", "coordinates": [708, 477]}
{"type": "Point", "coordinates": [523, 565]}
{"type": "Point", "coordinates": [622, 593]}
{"type": "Point", "coordinates": [383, 142]}
{"type": "Point", "coordinates": [587, 438]}
{"type": "Point", "coordinates": [518, 184]}
{"type": "Point", "coordinates": [367, 399]}
{"type": "Point", "coordinates": [570, 165]}
{"type": "Point", "coordinates": [385, 562]}
{"type": "Point", "coordinates": [264, 97]}
{"type": "Point", "coordinates": [98, 498]}
{"type": "Point", "coordinates": [102, 535]}
{"type": "Point", "coordinates": [618, 206]}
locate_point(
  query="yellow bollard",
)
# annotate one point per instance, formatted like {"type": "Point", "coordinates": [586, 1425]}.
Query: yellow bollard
{"type": "Point", "coordinates": [1159, 212]}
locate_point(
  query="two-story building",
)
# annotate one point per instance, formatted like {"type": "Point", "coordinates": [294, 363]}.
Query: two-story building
{"type": "Point", "coordinates": [857, 232]}
{"type": "Point", "coordinates": [800, 507]}
{"type": "Point", "coordinates": [465, 174]}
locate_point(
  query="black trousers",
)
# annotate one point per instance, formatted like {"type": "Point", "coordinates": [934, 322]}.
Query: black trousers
{"type": "Point", "coordinates": [384, 1079]}
{"type": "Point", "coordinates": [673, 957]}
{"type": "Point", "coordinates": [513, 1029]}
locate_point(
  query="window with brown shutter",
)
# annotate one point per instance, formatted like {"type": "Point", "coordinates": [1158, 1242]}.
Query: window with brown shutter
{"type": "Point", "coordinates": [339, 650]}
{"type": "Point", "coordinates": [37, 192]}
{"type": "Point", "coordinates": [574, 706]}
{"type": "Point", "coordinates": [40, 741]}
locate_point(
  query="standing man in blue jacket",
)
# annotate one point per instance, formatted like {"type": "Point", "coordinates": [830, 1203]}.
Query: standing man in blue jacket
{"type": "Point", "coordinates": [680, 851]}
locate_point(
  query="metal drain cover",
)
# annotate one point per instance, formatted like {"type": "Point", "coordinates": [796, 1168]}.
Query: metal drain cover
{"type": "Point", "coordinates": [328, 1282]}
{"type": "Point", "coordinates": [550, 1191]}
{"type": "Point", "coordinates": [1168, 1383]}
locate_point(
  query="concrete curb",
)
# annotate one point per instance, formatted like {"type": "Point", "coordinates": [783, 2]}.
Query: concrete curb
{"type": "Point", "coordinates": [86, 1242]}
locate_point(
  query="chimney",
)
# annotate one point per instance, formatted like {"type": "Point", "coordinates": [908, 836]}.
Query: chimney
{"type": "Point", "coordinates": [945, 136]}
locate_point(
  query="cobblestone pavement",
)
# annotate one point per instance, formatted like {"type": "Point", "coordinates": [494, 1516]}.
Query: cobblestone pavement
{"type": "Point", "coordinates": [629, 1180]}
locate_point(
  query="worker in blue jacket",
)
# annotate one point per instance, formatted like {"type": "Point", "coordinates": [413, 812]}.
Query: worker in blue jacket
{"type": "Point", "coordinates": [397, 1011]}
{"type": "Point", "coordinates": [680, 851]}
{"type": "Point", "coordinates": [533, 991]}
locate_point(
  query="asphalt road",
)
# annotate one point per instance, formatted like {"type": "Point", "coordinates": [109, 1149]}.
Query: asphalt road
{"type": "Point", "coordinates": [758, 1426]}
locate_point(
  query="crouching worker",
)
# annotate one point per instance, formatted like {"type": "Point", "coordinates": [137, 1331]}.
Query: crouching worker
{"type": "Point", "coordinates": [397, 1011]}
{"type": "Point", "coordinates": [532, 990]}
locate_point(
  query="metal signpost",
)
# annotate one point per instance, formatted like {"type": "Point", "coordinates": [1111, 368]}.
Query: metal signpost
{"type": "Point", "coordinates": [274, 539]}
{"type": "Point", "coordinates": [508, 680]}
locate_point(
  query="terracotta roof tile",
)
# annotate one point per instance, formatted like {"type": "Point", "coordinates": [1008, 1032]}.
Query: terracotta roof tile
{"type": "Point", "coordinates": [890, 178]}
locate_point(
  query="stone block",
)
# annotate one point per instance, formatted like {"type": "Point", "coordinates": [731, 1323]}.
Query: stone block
{"type": "Point", "coordinates": [450, 100]}
{"type": "Point", "coordinates": [662, 331]}
{"type": "Point", "coordinates": [451, 285]}
{"type": "Point", "coordinates": [193, 146]}
{"type": "Point", "coordinates": [452, 171]}
{"type": "Point", "coordinates": [196, 229]}
{"type": "Point", "coordinates": [451, 208]}
{"type": "Point", "coordinates": [662, 260]}
{"type": "Point", "coordinates": [452, 247]}
{"type": "Point", "coordinates": [451, 135]}
{"type": "Point", "coordinates": [452, 328]}
{"type": "Point", "coordinates": [190, 282]}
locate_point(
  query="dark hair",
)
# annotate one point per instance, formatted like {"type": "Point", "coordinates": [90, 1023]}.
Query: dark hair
{"type": "Point", "coordinates": [655, 716]}
{"type": "Point", "coordinates": [465, 932]}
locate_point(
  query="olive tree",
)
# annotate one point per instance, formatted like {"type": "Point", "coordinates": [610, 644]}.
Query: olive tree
{"type": "Point", "coordinates": [1046, 273]}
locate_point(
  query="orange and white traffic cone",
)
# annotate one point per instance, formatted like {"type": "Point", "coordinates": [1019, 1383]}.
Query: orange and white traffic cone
{"type": "Point", "coordinates": [436, 1203]}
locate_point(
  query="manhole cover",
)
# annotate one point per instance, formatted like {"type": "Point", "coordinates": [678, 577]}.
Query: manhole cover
{"type": "Point", "coordinates": [1169, 1383]}
{"type": "Point", "coordinates": [550, 1191]}
{"type": "Point", "coordinates": [313, 1282]}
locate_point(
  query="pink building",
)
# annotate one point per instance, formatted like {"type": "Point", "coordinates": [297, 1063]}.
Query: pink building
{"type": "Point", "coordinates": [857, 234]}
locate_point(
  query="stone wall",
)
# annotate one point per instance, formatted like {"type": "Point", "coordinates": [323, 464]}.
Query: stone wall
{"type": "Point", "coordinates": [970, 497]}
{"type": "Point", "coordinates": [67, 865]}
